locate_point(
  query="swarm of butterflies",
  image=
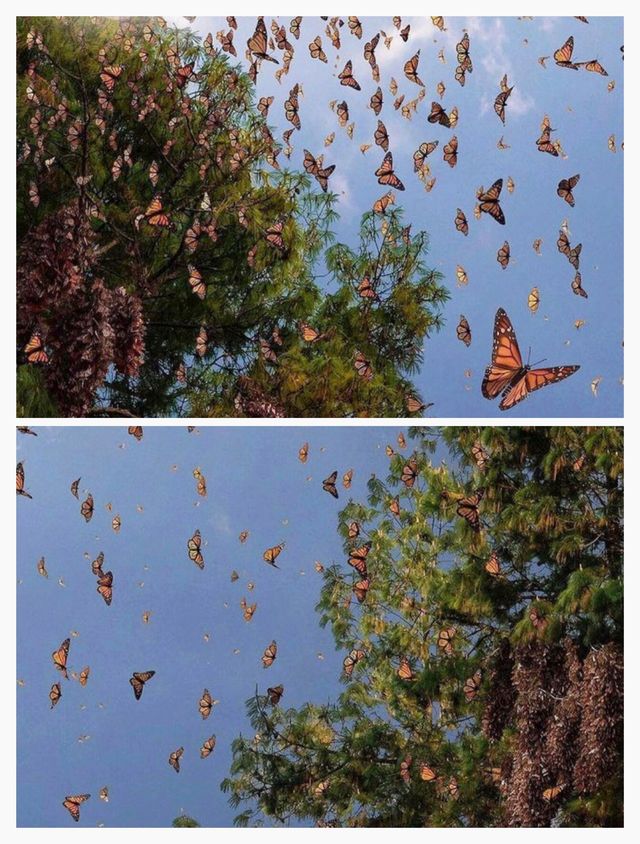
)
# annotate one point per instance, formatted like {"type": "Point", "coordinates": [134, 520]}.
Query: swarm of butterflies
{"type": "Point", "coordinates": [276, 47]}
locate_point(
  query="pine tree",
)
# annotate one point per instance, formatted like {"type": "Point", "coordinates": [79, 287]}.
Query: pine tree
{"type": "Point", "coordinates": [480, 614]}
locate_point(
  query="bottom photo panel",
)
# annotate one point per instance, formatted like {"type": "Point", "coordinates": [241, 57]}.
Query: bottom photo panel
{"type": "Point", "coordinates": [320, 626]}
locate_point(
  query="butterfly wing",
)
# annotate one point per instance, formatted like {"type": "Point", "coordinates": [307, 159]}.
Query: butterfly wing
{"type": "Point", "coordinates": [534, 379]}
{"type": "Point", "coordinates": [506, 360]}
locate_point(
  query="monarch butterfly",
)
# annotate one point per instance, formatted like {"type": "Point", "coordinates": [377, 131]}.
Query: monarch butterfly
{"type": "Point", "coordinates": [461, 222]}
{"type": "Point", "coordinates": [351, 660]}
{"type": "Point", "coordinates": [42, 568]}
{"type": "Point", "coordinates": [269, 654]}
{"type": "Point", "coordinates": [86, 508]}
{"type": "Point", "coordinates": [409, 473]}
{"type": "Point", "coordinates": [72, 804]}
{"type": "Point", "coordinates": [193, 547]}
{"type": "Point", "coordinates": [550, 794]}
{"type": "Point", "coordinates": [380, 205]}
{"type": "Point", "coordinates": [342, 110]}
{"type": "Point", "coordinates": [468, 509]}
{"type": "Point", "coordinates": [273, 236]}
{"type": "Point", "coordinates": [611, 143]}
{"type": "Point", "coordinates": [198, 286]}
{"type": "Point", "coordinates": [479, 454]}
{"type": "Point", "coordinates": [303, 453]}
{"type": "Point", "coordinates": [463, 331]}
{"type": "Point", "coordinates": [386, 175]}
{"type": "Point", "coordinates": [445, 637]}
{"type": "Point", "coordinates": [201, 342]}
{"type": "Point", "coordinates": [84, 676]}
{"type": "Point", "coordinates": [109, 75]}
{"type": "Point", "coordinates": [565, 188]}
{"type": "Point", "coordinates": [439, 115]}
{"type": "Point", "coordinates": [174, 759]}
{"type": "Point", "coordinates": [105, 582]}
{"type": "Point", "coordinates": [381, 136]}
{"type": "Point", "coordinates": [353, 530]}
{"type": "Point", "coordinates": [395, 505]}
{"type": "Point", "coordinates": [329, 484]}
{"type": "Point", "coordinates": [363, 367]}
{"type": "Point", "coordinates": [226, 42]}
{"type": "Point", "coordinates": [490, 202]}
{"type": "Point", "coordinates": [405, 672]}
{"type": "Point", "coordinates": [450, 151]}
{"type": "Point", "coordinates": [96, 565]}
{"type": "Point", "coordinates": [316, 51]}
{"type": "Point", "coordinates": [347, 478]}
{"type": "Point", "coordinates": [138, 681]}
{"type": "Point", "coordinates": [594, 66]}
{"type": "Point", "coordinates": [472, 685]}
{"type": "Point", "coordinates": [562, 56]}
{"type": "Point", "coordinates": [272, 554]}
{"type": "Point", "coordinates": [104, 794]}
{"type": "Point", "coordinates": [415, 405]}
{"type": "Point", "coordinates": [576, 286]}
{"type": "Point", "coordinates": [537, 243]}
{"type": "Point", "coordinates": [404, 33]}
{"type": "Point", "coordinates": [411, 69]}
{"type": "Point", "coordinates": [207, 747]}
{"type": "Point", "coordinates": [376, 101]}
{"type": "Point", "coordinates": [360, 589]}
{"type": "Point", "coordinates": [155, 216]}
{"type": "Point", "coordinates": [544, 142]}
{"type": "Point", "coordinates": [405, 769]}
{"type": "Point", "coordinates": [116, 523]}
{"type": "Point", "coordinates": [248, 609]}
{"type": "Point", "coordinates": [55, 694]}
{"type": "Point", "coordinates": [358, 559]}
{"type": "Point", "coordinates": [294, 26]}
{"type": "Point", "coordinates": [60, 656]}
{"type": "Point", "coordinates": [275, 693]}
{"type": "Point", "coordinates": [201, 486]}
{"type": "Point", "coordinates": [508, 375]}
{"type": "Point", "coordinates": [135, 431]}
{"type": "Point", "coordinates": [366, 290]}
{"type": "Point", "coordinates": [492, 566]}
{"type": "Point", "coordinates": [346, 77]}
{"type": "Point", "coordinates": [257, 44]}
{"type": "Point", "coordinates": [20, 490]}
{"type": "Point", "coordinates": [463, 278]}
{"type": "Point", "coordinates": [205, 704]}
{"type": "Point", "coordinates": [34, 350]}
{"type": "Point", "coordinates": [369, 50]}
{"type": "Point", "coordinates": [420, 155]}
{"type": "Point", "coordinates": [504, 253]}
{"type": "Point", "coordinates": [500, 102]}
{"type": "Point", "coordinates": [427, 773]}
{"type": "Point", "coordinates": [355, 26]}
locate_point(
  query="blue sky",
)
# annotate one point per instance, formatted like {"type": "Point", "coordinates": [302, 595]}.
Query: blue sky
{"type": "Point", "coordinates": [255, 482]}
{"type": "Point", "coordinates": [583, 113]}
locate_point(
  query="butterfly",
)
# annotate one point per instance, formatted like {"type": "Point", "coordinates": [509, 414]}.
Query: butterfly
{"type": "Point", "coordinates": [426, 772]}
{"type": "Point", "coordinates": [116, 523]}
{"type": "Point", "coordinates": [201, 342]}
{"type": "Point", "coordinates": [257, 44]}
{"type": "Point", "coordinates": [594, 66]}
{"type": "Point", "coordinates": [577, 288]}
{"type": "Point", "coordinates": [381, 136]}
{"type": "Point", "coordinates": [42, 568]}
{"type": "Point", "coordinates": [544, 142]}
{"type": "Point", "coordinates": [564, 247]}
{"type": "Point", "coordinates": [198, 286]}
{"type": "Point", "coordinates": [363, 367]}
{"type": "Point", "coordinates": [174, 759]}
{"type": "Point", "coordinates": [346, 77]}
{"type": "Point", "coordinates": [135, 431]}
{"type": "Point", "coordinates": [271, 554]}
{"type": "Point", "coordinates": [346, 479]}
{"type": "Point", "coordinates": [439, 115]}
{"type": "Point", "coordinates": [193, 547]}
{"type": "Point", "coordinates": [404, 33]}
{"type": "Point", "coordinates": [316, 51]}
{"type": "Point", "coordinates": [109, 75]}
{"type": "Point", "coordinates": [55, 694]}
{"type": "Point", "coordinates": [508, 375]}
{"type": "Point", "coordinates": [376, 102]}
{"type": "Point", "coordinates": [60, 656]}
{"type": "Point", "coordinates": [269, 654]}
{"type": "Point", "coordinates": [468, 509]}
{"type": "Point", "coordinates": [504, 253]}
{"type": "Point", "coordinates": [489, 202]}
{"type": "Point", "coordinates": [84, 676]}
{"type": "Point", "coordinates": [380, 205]}
{"type": "Point", "coordinates": [405, 672]}
{"type": "Point", "coordinates": [409, 473]}
{"type": "Point", "coordinates": [20, 490]}
{"type": "Point", "coordinates": [479, 454]}
{"type": "Point", "coordinates": [34, 350]}
{"type": "Point", "coordinates": [207, 747]}
{"type": "Point", "coordinates": [414, 405]}
{"type": "Point", "coordinates": [72, 804]}
{"type": "Point", "coordinates": [445, 637]}
{"type": "Point", "coordinates": [303, 453]}
{"type": "Point", "coordinates": [294, 27]}
{"type": "Point", "coordinates": [450, 151]}
{"type": "Point", "coordinates": [360, 589]}
{"type": "Point", "coordinates": [550, 794]}
{"type": "Point", "coordinates": [321, 174]}
{"type": "Point", "coordinates": [275, 693]}
{"type": "Point", "coordinates": [472, 685]}
{"type": "Point", "coordinates": [273, 236]}
{"type": "Point", "coordinates": [329, 484]}
{"type": "Point", "coordinates": [358, 559]}
{"type": "Point", "coordinates": [461, 222]}
{"type": "Point", "coordinates": [395, 504]}
{"type": "Point", "coordinates": [500, 101]}
{"type": "Point", "coordinates": [342, 110]}
{"type": "Point", "coordinates": [138, 681]}
{"type": "Point", "coordinates": [463, 278]}
{"type": "Point", "coordinates": [105, 582]}
{"type": "Point", "coordinates": [411, 69]}
{"type": "Point", "coordinates": [565, 189]}
{"type": "Point", "coordinates": [420, 155]}
{"type": "Point", "coordinates": [353, 530]}
{"type": "Point", "coordinates": [386, 175]}
{"type": "Point", "coordinates": [562, 56]}
{"type": "Point", "coordinates": [96, 565]}
{"type": "Point", "coordinates": [351, 660]}
{"type": "Point", "coordinates": [492, 566]}
{"type": "Point", "coordinates": [463, 331]}
{"type": "Point", "coordinates": [205, 704]}
{"type": "Point", "coordinates": [155, 216]}
{"type": "Point", "coordinates": [86, 508]}
{"type": "Point", "coordinates": [104, 794]}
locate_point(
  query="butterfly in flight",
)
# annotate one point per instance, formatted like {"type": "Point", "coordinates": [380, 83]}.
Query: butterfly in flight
{"type": "Point", "coordinates": [329, 484]}
{"type": "Point", "coordinates": [73, 803]}
{"type": "Point", "coordinates": [138, 680]}
{"type": "Point", "coordinates": [489, 202]}
{"type": "Point", "coordinates": [507, 375]}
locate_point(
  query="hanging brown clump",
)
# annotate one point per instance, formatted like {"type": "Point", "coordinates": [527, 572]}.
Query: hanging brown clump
{"type": "Point", "coordinates": [501, 695]}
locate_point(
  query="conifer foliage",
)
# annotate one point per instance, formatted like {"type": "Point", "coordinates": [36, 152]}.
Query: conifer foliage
{"type": "Point", "coordinates": [483, 656]}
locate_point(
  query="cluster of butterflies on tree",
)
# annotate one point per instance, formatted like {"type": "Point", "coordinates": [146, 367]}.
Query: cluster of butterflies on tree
{"type": "Point", "coordinates": [467, 507]}
{"type": "Point", "coordinates": [507, 375]}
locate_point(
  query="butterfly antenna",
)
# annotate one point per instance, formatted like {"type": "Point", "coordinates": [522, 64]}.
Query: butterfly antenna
{"type": "Point", "coordinates": [542, 360]}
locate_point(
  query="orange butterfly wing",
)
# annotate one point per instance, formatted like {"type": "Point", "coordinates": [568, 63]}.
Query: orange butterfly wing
{"type": "Point", "coordinates": [506, 360]}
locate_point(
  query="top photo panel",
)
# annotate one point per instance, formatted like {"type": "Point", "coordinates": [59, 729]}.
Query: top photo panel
{"type": "Point", "coordinates": [320, 217]}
